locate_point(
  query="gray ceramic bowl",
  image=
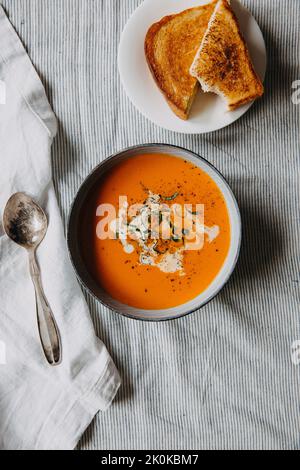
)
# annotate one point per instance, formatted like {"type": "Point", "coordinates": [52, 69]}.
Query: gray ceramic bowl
{"type": "Point", "coordinates": [95, 289]}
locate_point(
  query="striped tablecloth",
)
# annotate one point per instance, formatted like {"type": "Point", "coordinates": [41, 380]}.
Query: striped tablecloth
{"type": "Point", "coordinates": [224, 376]}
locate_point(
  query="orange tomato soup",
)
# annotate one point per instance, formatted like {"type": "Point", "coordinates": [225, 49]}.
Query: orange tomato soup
{"type": "Point", "coordinates": [121, 272]}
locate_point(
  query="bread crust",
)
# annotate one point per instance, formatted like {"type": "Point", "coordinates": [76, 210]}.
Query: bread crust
{"type": "Point", "coordinates": [170, 47]}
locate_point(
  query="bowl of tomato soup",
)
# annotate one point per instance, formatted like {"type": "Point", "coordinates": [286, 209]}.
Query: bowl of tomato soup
{"type": "Point", "coordinates": [154, 232]}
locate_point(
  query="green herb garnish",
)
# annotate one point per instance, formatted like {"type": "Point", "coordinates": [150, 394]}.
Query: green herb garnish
{"type": "Point", "coordinates": [171, 198]}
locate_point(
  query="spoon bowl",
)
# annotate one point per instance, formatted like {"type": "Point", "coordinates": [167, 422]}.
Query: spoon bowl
{"type": "Point", "coordinates": [24, 221]}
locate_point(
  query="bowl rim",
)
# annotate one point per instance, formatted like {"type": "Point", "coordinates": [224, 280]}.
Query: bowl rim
{"type": "Point", "coordinates": [239, 227]}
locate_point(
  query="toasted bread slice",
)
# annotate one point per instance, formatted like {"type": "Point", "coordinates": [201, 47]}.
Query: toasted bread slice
{"type": "Point", "coordinates": [222, 64]}
{"type": "Point", "coordinates": [170, 47]}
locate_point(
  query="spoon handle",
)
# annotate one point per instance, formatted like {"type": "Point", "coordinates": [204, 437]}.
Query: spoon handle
{"type": "Point", "coordinates": [48, 330]}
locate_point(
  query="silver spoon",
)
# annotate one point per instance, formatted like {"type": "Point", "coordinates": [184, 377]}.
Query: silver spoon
{"type": "Point", "coordinates": [25, 222]}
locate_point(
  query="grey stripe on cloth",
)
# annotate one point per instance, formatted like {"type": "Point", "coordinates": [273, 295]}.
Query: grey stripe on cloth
{"type": "Point", "coordinates": [221, 378]}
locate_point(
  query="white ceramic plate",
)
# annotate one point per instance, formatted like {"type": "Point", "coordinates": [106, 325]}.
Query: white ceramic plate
{"type": "Point", "coordinates": [209, 111]}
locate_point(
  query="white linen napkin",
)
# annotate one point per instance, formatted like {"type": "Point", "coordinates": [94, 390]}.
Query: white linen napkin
{"type": "Point", "coordinates": [41, 407]}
